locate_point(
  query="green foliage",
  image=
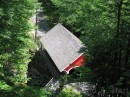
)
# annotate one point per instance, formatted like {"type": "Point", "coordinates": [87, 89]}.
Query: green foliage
{"type": "Point", "coordinates": [24, 91]}
{"type": "Point", "coordinates": [69, 92]}
{"type": "Point", "coordinates": [127, 73]}
{"type": "Point", "coordinates": [120, 82]}
{"type": "Point", "coordinates": [4, 86]}
{"type": "Point", "coordinates": [128, 94]}
{"type": "Point", "coordinates": [81, 74]}
{"type": "Point", "coordinates": [15, 39]}
{"type": "Point", "coordinates": [103, 26]}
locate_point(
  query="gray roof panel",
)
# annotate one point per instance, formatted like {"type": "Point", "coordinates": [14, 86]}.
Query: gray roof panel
{"type": "Point", "coordinates": [62, 46]}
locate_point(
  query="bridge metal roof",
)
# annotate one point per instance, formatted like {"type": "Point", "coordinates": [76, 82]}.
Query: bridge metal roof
{"type": "Point", "coordinates": [62, 46]}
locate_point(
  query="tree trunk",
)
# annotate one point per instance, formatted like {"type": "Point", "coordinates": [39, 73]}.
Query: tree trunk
{"type": "Point", "coordinates": [126, 60]}
{"type": "Point", "coordinates": [117, 54]}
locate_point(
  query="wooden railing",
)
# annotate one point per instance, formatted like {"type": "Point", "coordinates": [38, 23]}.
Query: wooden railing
{"type": "Point", "coordinates": [53, 84]}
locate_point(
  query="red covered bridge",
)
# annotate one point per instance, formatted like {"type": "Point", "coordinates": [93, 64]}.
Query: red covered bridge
{"type": "Point", "coordinates": [63, 47]}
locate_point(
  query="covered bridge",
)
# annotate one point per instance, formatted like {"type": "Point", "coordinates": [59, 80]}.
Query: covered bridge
{"type": "Point", "coordinates": [63, 48]}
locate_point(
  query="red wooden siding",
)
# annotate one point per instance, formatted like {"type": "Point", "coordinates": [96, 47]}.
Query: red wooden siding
{"type": "Point", "coordinates": [77, 63]}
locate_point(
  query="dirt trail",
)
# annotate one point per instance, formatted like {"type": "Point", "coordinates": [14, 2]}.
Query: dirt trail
{"type": "Point", "coordinates": [41, 23]}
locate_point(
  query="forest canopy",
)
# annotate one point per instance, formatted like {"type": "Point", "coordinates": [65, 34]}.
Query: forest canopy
{"type": "Point", "coordinates": [103, 26]}
{"type": "Point", "coordinates": [15, 45]}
